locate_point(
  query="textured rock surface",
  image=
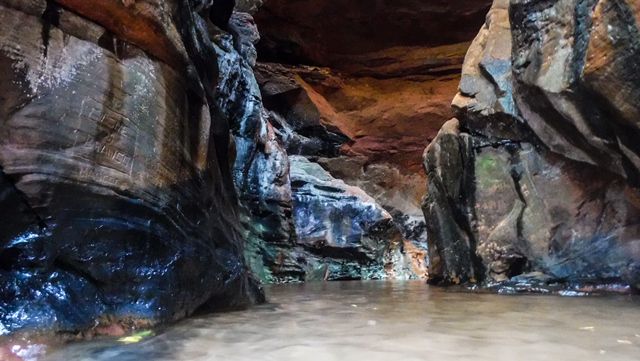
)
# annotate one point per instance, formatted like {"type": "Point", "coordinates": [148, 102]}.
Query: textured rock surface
{"type": "Point", "coordinates": [115, 183]}
{"type": "Point", "coordinates": [346, 234]}
{"type": "Point", "coordinates": [248, 6]}
{"type": "Point", "coordinates": [538, 173]}
{"type": "Point", "coordinates": [261, 167]}
{"type": "Point", "coordinates": [328, 32]}
{"type": "Point", "coordinates": [307, 124]}
{"type": "Point", "coordinates": [369, 99]}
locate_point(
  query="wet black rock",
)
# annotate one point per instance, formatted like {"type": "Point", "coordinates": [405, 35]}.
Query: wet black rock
{"type": "Point", "coordinates": [116, 193]}
{"type": "Point", "coordinates": [261, 165]}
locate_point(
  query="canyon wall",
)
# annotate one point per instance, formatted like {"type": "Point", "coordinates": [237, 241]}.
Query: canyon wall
{"type": "Point", "coordinates": [146, 154]}
{"type": "Point", "coordinates": [117, 193]}
{"type": "Point", "coordinates": [535, 179]}
{"type": "Point", "coordinates": [151, 154]}
{"type": "Point", "coordinates": [359, 88]}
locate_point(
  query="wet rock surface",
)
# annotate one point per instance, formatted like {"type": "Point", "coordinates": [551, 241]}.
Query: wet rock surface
{"type": "Point", "coordinates": [363, 101]}
{"type": "Point", "coordinates": [261, 166]}
{"type": "Point", "coordinates": [537, 173]}
{"type": "Point", "coordinates": [307, 124]}
{"type": "Point", "coordinates": [345, 232]}
{"type": "Point", "coordinates": [117, 196]}
{"type": "Point", "coordinates": [282, 119]}
{"type": "Point", "coordinates": [148, 158]}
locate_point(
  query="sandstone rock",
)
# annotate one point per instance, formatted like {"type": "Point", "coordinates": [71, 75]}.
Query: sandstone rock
{"type": "Point", "coordinates": [302, 116]}
{"type": "Point", "coordinates": [565, 81]}
{"type": "Point", "coordinates": [387, 91]}
{"type": "Point", "coordinates": [547, 173]}
{"type": "Point", "coordinates": [373, 99]}
{"type": "Point", "coordinates": [260, 170]}
{"type": "Point", "coordinates": [448, 207]}
{"type": "Point", "coordinates": [345, 232]}
{"type": "Point", "coordinates": [308, 124]}
{"type": "Point", "coordinates": [115, 172]}
{"type": "Point", "coordinates": [399, 194]}
{"type": "Point", "coordinates": [324, 32]}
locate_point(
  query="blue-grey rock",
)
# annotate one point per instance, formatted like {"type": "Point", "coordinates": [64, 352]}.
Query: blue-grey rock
{"type": "Point", "coordinates": [346, 233]}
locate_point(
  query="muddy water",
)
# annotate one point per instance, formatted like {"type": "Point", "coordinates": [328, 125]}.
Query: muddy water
{"type": "Point", "coordinates": [374, 321]}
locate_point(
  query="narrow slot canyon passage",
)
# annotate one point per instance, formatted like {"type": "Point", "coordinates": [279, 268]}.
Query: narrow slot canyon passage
{"type": "Point", "coordinates": [319, 179]}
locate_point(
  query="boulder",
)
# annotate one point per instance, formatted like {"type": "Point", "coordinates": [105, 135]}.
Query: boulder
{"type": "Point", "coordinates": [345, 234]}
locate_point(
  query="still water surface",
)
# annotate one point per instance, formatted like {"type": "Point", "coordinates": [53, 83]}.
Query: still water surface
{"type": "Point", "coordinates": [371, 321]}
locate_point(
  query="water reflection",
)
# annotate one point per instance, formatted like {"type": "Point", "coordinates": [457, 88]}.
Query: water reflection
{"type": "Point", "coordinates": [392, 321]}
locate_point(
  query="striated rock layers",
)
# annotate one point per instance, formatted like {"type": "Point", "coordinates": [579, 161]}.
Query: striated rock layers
{"type": "Point", "coordinates": [537, 177]}
{"type": "Point", "coordinates": [360, 88]}
{"type": "Point", "coordinates": [116, 183]}
{"type": "Point", "coordinates": [346, 232]}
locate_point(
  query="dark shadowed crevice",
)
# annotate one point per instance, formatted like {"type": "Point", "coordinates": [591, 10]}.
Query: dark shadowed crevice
{"type": "Point", "coordinates": [50, 18]}
{"type": "Point", "coordinates": [518, 264]}
{"type": "Point", "coordinates": [220, 13]}
{"type": "Point", "coordinates": [9, 186]}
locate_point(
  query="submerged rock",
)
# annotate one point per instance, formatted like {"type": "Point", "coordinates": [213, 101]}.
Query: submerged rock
{"type": "Point", "coordinates": [116, 192]}
{"type": "Point", "coordinates": [539, 172]}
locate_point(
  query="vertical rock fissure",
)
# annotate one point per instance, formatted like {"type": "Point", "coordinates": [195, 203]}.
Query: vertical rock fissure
{"type": "Point", "coordinates": [50, 18]}
{"type": "Point", "coordinates": [516, 267]}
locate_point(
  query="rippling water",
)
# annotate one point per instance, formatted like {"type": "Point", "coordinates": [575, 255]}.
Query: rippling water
{"type": "Point", "coordinates": [373, 321]}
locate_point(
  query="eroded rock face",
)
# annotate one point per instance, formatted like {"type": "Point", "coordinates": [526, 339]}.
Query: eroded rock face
{"type": "Point", "coordinates": [363, 100]}
{"type": "Point", "coordinates": [116, 188]}
{"type": "Point", "coordinates": [346, 234]}
{"type": "Point", "coordinates": [329, 32]}
{"type": "Point", "coordinates": [307, 124]}
{"type": "Point", "coordinates": [538, 173]}
{"type": "Point", "coordinates": [261, 166]}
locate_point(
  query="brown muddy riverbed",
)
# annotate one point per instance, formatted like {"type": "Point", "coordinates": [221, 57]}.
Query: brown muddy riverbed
{"type": "Point", "coordinates": [403, 321]}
